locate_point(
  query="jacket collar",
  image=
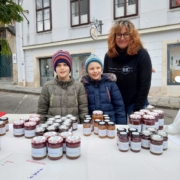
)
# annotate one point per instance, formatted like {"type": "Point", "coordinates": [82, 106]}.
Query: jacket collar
{"type": "Point", "coordinates": [64, 84]}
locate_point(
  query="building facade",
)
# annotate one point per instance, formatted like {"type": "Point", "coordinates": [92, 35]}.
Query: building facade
{"type": "Point", "coordinates": [65, 25]}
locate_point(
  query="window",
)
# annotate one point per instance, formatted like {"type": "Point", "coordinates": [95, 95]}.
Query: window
{"type": "Point", "coordinates": [125, 8]}
{"type": "Point", "coordinates": [173, 67]}
{"type": "Point", "coordinates": [174, 3]}
{"type": "Point", "coordinates": [43, 15]}
{"type": "Point", "coordinates": [79, 12]}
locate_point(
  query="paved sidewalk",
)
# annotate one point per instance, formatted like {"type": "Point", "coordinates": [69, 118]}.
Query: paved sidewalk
{"type": "Point", "coordinates": [157, 101]}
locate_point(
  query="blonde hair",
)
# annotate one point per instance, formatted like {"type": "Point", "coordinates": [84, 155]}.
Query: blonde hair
{"type": "Point", "coordinates": [135, 43]}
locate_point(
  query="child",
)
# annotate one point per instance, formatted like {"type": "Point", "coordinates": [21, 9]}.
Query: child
{"type": "Point", "coordinates": [63, 95]}
{"type": "Point", "coordinates": [102, 91]}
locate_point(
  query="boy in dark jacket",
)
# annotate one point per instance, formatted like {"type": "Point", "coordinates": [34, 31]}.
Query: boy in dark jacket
{"type": "Point", "coordinates": [102, 91]}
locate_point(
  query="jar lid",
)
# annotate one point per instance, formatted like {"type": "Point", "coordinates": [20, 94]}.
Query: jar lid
{"type": "Point", "coordinates": [73, 139]}
{"type": "Point", "coordinates": [55, 139]}
{"type": "Point", "coordinates": [66, 123]}
{"type": "Point", "coordinates": [147, 133]}
{"type": "Point", "coordinates": [135, 116]}
{"type": "Point", "coordinates": [159, 111]}
{"type": "Point", "coordinates": [55, 124]}
{"type": "Point", "coordinates": [120, 129]}
{"type": "Point", "coordinates": [141, 113]}
{"type": "Point", "coordinates": [87, 116]}
{"type": "Point", "coordinates": [107, 118]}
{"type": "Point", "coordinates": [151, 129]}
{"type": "Point", "coordinates": [153, 113]}
{"type": "Point", "coordinates": [58, 121]}
{"type": "Point", "coordinates": [111, 123]}
{"type": "Point", "coordinates": [132, 129]}
{"type": "Point", "coordinates": [51, 119]}
{"type": "Point", "coordinates": [28, 124]}
{"type": "Point", "coordinates": [156, 137]}
{"type": "Point", "coordinates": [69, 116]}
{"type": "Point", "coordinates": [34, 115]}
{"type": "Point", "coordinates": [102, 123]}
{"type": "Point", "coordinates": [73, 118]}
{"type": "Point", "coordinates": [66, 134]}
{"type": "Point", "coordinates": [97, 112]}
{"type": "Point", "coordinates": [162, 133]}
{"type": "Point", "coordinates": [43, 125]}
{"type": "Point", "coordinates": [2, 122]}
{"type": "Point", "coordinates": [135, 134]}
{"type": "Point", "coordinates": [40, 129]}
{"type": "Point", "coordinates": [105, 115]}
{"type": "Point", "coordinates": [38, 139]}
{"type": "Point", "coordinates": [63, 127]}
{"type": "Point", "coordinates": [3, 118]}
{"type": "Point", "coordinates": [24, 118]}
{"type": "Point", "coordinates": [147, 116]}
{"type": "Point", "coordinates": [86, 121]}
{"type": "Point", "coordinates": [49, 134]}
{"type": "Point", "coordinates": [97, 120]}
{"type": "Point", "coordinates": [57, 117]}
{"type": "Point", "coordinates": [34, 119]}
{"type": "Point", "coordinates": [106, 121]}
{"type": "Point", "coordinates": [63, 118]}
{"type": "Point", "coordinates": [49, 122]}
{"type": "Point", "coordinates": [123, 134]}
{"type": "Point", "coordinates": [18, 122]}
{"type": "Point", "coordinates": [51, 128]}
{"type": "Point", "coordinates": [145, 111]}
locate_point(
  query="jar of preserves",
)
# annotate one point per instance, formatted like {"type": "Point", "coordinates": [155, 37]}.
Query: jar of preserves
{"type": "Point", "coordinates": [63, 128]}
{"type": "Point", "coordinates": [161, 118]}
{"type": "Point", "coordinates": [18, 128]}
{"type": "Point", "coordinates": [96, 123]}
{"type": "Point", "coordinates": [156, 144]}
{"type": "Point", "coordinates": [123, 142]}
{"type": "Point", "coordinates": [87, 128]}
{"type": "Point", "coordinates": [92, 123]}
{"type": "Point", "coordinates": [39, 131]}
{"type": "Point", "coordinates": [63, 118]}
{"type": "Point", "coordinates": [44, 126]}
{"type": "Point", "coordinates": [68, 124]}
{"type": "Point", "coordinates": [56, 125]}
{"type": "Point", "coordinates": [75, 123]}
{"type": "Point", "coordinates": [135, 142]}
{"type": "Point", "coordinates": [58, 121]}
{"type": "Point", "coordinates": [140, 114]}
{"type": "Point", "coordinates": [145, 139]}
{"type": "Point", "coordinates": [111, 130]}
{"type": "Point", "coordinates": [38, 150]}
{"type": "Point", "coordinates": [49, 122]}
{"type": "Point", "coordinates": [55, 147]}
{"type": "Point", "coordinates": [156, 115]}
{"type": "Point", "coordinates": [64, 135]}
{"type": "Point", "coordinates": [148, 122]}
{"type": "Point", "coordinates": [35, 119]}
{"type": "Point", "coordinates": [130, 131]}
{"type": "Point", "coordinates": [51, 128]}
{"type": "Point", "coordinates": [165, 139]}
{"type": "Point", "coordinates": [97, 115]}
{"type": "Point", "coordinates": [135, 122]}
{"type": "Point", "coordinates": [119, 129]}
{"type": "Point", "coordinates": [6, 121]}
{"type": "Point", "coordinates": [29, 129]}
{"type": "Point", "coordinates": [49, 134]}
{"type": "Point", "coordinates": [102, 131]}
{"type": "Point", "coordinates": [73, 150]}
{"type": "Point", "coordinates": [2, 128]}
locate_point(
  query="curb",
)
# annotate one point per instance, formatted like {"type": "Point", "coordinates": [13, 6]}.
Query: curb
{"type": "Point", "coordinates": [19, 91]}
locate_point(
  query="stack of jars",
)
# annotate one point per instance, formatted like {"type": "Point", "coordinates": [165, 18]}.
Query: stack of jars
{"type": "Point", "coordinates": [4, 125]}
{"type": "Point", "coordinates": [100, 124]}
{"type": "Point", "coordinates": [155, 141]}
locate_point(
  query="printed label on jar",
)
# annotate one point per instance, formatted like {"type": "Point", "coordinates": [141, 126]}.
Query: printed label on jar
{"type": "Point", "coordinates": [64, 147]}
{"type": "Point", "coordinates": [87, 131]}
{"type": "Point", "coordinates": [156, 148]}
{"type": "Point", "coordinates": [111, 133]}
{"type": "Point", "coordinates": [96, 130]}
{"type": "Point", "coordinates": [138, 127]}
{"type": "Point", "coordinates": [7, 126]}
{"type": "Point", "coordinates": [124, 146]}
{"type": "Point", "coordinates": [146, 126]}
{"type": "Point", "coordinates": [2, 130]}
{"type": "Point", "coordinates": [102, 132]}
{"type": "Point", "coordinates": [38, 152]}
{"type": "Point", "coordinates": [145, 143]}
{"type": "Point", "coordinates": [165, 144]}
{"type": "Point", "coordinates": [136, 146]}
{"type": "Point", "coordinates": [75, 125]}
{"type": "Point", "coordinates": [73, 152]}
{"type": "Point", "coordinates": [161, 122]}
{"type": "Point", "coordinates": [55, 152]}
{"type": "Point", "coordinates": [157, 125]}
{"type": "Point", "coordinates": [29, 133]}
{"type": "Point", "coordinates": [18, 131]}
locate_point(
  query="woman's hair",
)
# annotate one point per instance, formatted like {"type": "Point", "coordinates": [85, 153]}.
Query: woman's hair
{"type": "Point", "coordinates": [134, 43]}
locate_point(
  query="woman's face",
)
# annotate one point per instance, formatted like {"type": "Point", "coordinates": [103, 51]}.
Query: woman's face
{"type": "Point", "coordinates": [122, 38]}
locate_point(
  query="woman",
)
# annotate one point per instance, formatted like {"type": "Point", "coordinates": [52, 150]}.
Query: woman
{"type": "Point", "coordinates": [131, 63]}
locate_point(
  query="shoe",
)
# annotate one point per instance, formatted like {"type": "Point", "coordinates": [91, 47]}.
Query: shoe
{"type": "Point", "coordinates": [149, 107]}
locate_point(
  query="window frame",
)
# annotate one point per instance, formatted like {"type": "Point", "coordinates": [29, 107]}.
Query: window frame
{"type": "Point", "coordinates": [125, 10]}
{"type": "Point", "coordinates": [42, 9]}
{"type": "Point", "coordinates": [172, 7]}
{"type": "Point", "coordinates": [88, 13]}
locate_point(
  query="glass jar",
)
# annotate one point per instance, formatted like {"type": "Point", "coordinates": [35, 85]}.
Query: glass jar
{"type": "Point", "coordinates": [156, 144]}
{"type": "Point", "coordinates": [35, 119]}
{"type": "Point", "coordinates": [145, 139]}
{"type": "Point", "coordinates": [73, 147]}
{"type": "Point", "coordinates": [111, 130]}
{"type": "Point", "coordinates": [68, 123]}
{"type": "Point", "coordinates": [63, 118]}
{"type": "Point", "coordinates": [96, 123]}
{"type": "Point", "coordinates": [2, 128]}
{"type": "Point", "coordinates": [152, 130]}
{"type": "Point", "coordinates": [165, 139]}
{"type": "Point", "coordinates": [29, 129]}
{"type": "Point", "coordinates": [51, 119]}
{"type": "Point", "coordinates": [39, 131]}
{"type": "Point", "coordinates": [135, 122]}
{"type": "Point", "coordinates": [102, 131]}
{"type": "Point", "coordinates": [51, 129]}
{"type": "Point", "coordinates": [119, 129]}
{"type": "Point", "coordinates": [58, 121]}
{"type": "Point", "coordinates": [148, 122]}
{"type": "Point", "coordinates": [56, 125]}
{"type": "Point", "coordinates": [55, 147]}
{"type": "Point", "coordinates": [75, 123]}
{"type": "Point", "coordinates": [6, 121]}
{"type": "Point", "coordinates": [64, 135]}
{"type": "Point", "coordinates": [97, 115]}
{"type": "Point", "coordinates": [135, 142]}
{"type": "Point", "coordinates": [38, 150]}
{"type": "Point", "coordinates": [49, 134]}
{"type": "Point", "coordinates": [18, 128]}
{"type": "Point", "coordinates": [156, 115]}
{"type": "Point", "coordinates": [87, 128]}
{"type": "Point", "coordinates": [130, 131]}
{"type": "Point", "coordinates": [161, 118]}
{"type": "Point", "coordinates": [123, 144]}
{"type": "Point", "coordinates": [140, 114]}
{"type": "Point", "coordinates": [92, 123]}
{"type": "Point", "coordinates": [49, 122]}
{"type": "Point", "coordinates": [63, 128]}
{"type": "Point", "coordinates": [44, 126]}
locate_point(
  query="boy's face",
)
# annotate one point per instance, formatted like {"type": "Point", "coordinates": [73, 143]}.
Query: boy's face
{"type": "Point", "coordinates": [94, 70]}
{"type": "Point", "coordinates": [62, 70]}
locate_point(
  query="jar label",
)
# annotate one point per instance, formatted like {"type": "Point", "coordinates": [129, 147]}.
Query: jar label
{"type": "Point", "coordinates": [124, 146]}
{"type": "Point", "coordinates": [138, 127]}
{"type": "Point", "coordinates": [75, 125]}
{"type": "Point", "coordinates": [38, 152]}
{"type": "Point", "coordinates": [18, 131]}
{"type": "Point", "coordinates": [156, 148]}
{"type": "Point", "coordinates": [2, 130]}
{"type": "Point", "coordinates": [57, 152]}
{"type": "Point", "coordinates": [147, 126]}
{"type": "Point", "coordinates": [157, 125]}
{"type": "Point", "coordinates": [145, 143]}
{"type": "Point", "coordinates": [165, 144]}
{"type": "Point", "coordinates": [102, 132]}
{"type": "Point", "coordinates": [87, 131]}
{"type": "Point", "coordinates": [111, 133]}
{"type": "Point", "coordinates": [29, 133]}
{"type": "Point", "coordinates": [161, 122]}
{"type": "Point", "coordinates": [7, 126]}
{"type": "Point", "coordinates": [64, 147]}
{"type": "Point", "coordinates": [96, 130]}
{"type": "Point", "coordinates": [136, 146]}
{"type": "Point", "coordinates": [73, 152]}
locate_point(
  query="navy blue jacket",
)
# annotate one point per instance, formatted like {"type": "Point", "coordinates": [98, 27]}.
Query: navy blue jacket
{"type": "Point", "coordinates": [104, 95]}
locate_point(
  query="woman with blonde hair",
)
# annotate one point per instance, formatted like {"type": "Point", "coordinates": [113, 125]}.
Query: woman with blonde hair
{"type": "Point", "coordinates": [131, 63]}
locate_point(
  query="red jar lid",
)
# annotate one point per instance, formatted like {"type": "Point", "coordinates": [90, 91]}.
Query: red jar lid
{"type": "Point", "coordinates": [49, 134]}
{"type": "Point", "coordinates": [73, 139]}
{"type": "Point", "coordinates": [145, 111]}
{"type": "Point", "coordinates": [28, 124]}
{"type": "Point", "coordinates": [38, 139]}
{"type": "Point", "coordinates": [66, 134]}
{"type": "Point", "coordinates": [18, 122]}
{"type": "Point", "coordinates": [55, 139]}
